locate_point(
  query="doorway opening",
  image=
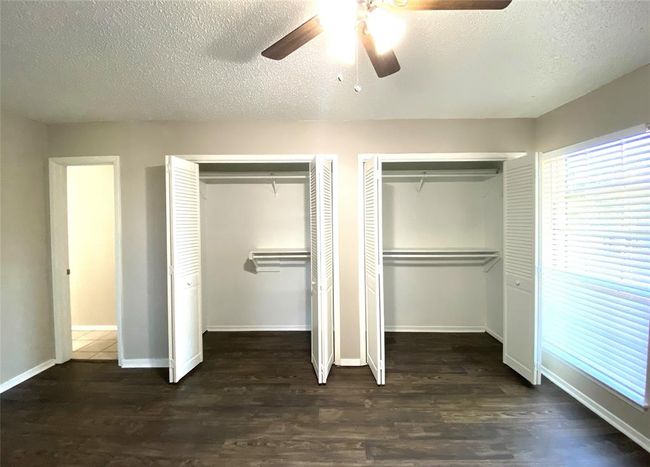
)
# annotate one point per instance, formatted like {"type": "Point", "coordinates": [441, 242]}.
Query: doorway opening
{"type": "Point", "coordinates": [86, 259]}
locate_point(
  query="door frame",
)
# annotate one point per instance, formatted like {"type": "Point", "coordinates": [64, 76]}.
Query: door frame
{"type": "Point", "coordinates": [59, 251]}
{"type": "Point", "coordinates": [402, 157]}
{"type": "Point", "coordinates": [293, 158]}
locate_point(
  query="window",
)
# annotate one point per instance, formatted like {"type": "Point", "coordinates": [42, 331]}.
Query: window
{"type": "Point", "coordinates": [595, 261]}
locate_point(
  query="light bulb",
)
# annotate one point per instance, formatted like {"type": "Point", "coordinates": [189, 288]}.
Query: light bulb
{"type": "Point", "coordinates": [339, 20]}
{"type": "Point", "coordinates": [386, 29]}
{"type": "Point", "coordinates": [342, 46]}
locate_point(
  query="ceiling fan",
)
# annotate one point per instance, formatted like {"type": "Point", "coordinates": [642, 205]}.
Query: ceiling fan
{"type": "Point", "coordinates": [370, 21]}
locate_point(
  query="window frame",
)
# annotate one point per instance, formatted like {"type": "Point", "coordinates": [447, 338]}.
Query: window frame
{"type": "Point", "coordinates": [636, 130]}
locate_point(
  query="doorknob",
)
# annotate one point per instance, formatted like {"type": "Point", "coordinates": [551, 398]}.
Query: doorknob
{"type": "Point", "coordinates": [517, 283]}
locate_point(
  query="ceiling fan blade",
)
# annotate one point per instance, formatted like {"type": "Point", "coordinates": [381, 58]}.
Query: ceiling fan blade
{"type": "Point", "coordinates": [385, 64]}
{"type": "Point", "coordinates": [456, 4]}
{"type": "Point", "coordinates": [294, 40]}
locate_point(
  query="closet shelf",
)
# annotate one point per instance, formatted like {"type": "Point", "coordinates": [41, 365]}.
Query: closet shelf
{"type": "Point", "coordinates": [457, 175]}
{"type": "Point", "coordinates": [270, 260]}
{"type": "Point", "coordinates": [273, 178]}
{"type": "Point", "coordinates": [473, 256]}
{"type": "Point", "coordinates": [251, 176]}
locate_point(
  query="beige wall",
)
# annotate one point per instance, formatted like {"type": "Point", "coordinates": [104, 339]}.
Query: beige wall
{"type": "Point", "coordinates": [619, 105]}
{"type": "Point", "coordinates": [91, 240]}
{"type": "Point", "coordinates": [26, 326]}
{"type": "Point", "coordinates": [142, 147]}
{"type": "Point", "coordinates": [237, 218]}
{"type": "Point", "coordinates": [443, 214]}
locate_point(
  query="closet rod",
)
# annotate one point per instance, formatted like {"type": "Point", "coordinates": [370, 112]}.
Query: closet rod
{"type": "Point", "coordinates": [281, 256]}
{"type": "Point", "coordinates": [445, 256]}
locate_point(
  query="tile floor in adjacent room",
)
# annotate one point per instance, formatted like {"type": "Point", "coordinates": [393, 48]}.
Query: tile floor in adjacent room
{"type": "Point", "coordinates": [94, 345]}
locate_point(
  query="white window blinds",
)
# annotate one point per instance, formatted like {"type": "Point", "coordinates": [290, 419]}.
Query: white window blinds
{"type": "Point", "coordinates": [595, 262]}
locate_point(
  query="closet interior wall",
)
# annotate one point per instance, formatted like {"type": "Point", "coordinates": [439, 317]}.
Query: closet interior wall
{"type": "Point", "coordinates": [446, 212]}
{"type": "Point", "coordinates": [239, 215]}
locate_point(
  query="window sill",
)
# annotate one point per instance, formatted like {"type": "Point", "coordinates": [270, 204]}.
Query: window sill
{"type": "Point", "coordinates": [557, 355]}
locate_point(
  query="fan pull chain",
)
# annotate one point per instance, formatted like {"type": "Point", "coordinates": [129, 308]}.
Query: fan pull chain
{"type": "Point", "coordinates": [357, 86]}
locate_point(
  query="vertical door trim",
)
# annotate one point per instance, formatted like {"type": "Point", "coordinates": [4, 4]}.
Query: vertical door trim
{"type": "Point", "coordinates": [59, 246]}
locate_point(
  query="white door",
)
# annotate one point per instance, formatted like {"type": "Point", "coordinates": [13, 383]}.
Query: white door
{"type": "Point", "coordinates": [373, 269]}
{"type": "Point", "coordinates": [322, 266]}
{"type": "Point", "coordinates": [520, 323]}
{"type": "Point", "coordinates": [184, 267]}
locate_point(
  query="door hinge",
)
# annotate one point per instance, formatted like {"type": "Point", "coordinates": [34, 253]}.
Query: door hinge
{"type": "Point", "coordinates": [67, 272]}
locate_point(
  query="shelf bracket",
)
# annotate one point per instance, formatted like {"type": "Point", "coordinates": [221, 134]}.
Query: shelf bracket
{"type": "Point", "coordinates": [421, 184]}
{"type": "Point", "coordinates": [487, 267]}
{"type": "Point", "coordinates": [275, 186]}
{"type": "Point", "coordinates": [271, 260]}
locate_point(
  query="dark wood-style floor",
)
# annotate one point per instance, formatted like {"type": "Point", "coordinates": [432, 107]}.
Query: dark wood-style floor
{"type": "Point", "coordinates": [447, 401]}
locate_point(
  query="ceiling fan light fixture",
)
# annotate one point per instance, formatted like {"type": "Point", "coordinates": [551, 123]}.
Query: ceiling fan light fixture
{"type": "Point", "coordinates": [369, 21]}
{"type": "Point", "coordinates": [386, 29]}
{"type": "Point", "coordinates": [342, 46]}
{"type": "Point", "coordinates": [336, 15]}
{"type": "Point", "coordinates": [338, 19]}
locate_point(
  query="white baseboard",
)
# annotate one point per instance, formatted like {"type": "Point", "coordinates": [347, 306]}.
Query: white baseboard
{"type": "Point", "coordinates": [435, 329]}
{"type": "Point", "coordinates": [267, 327]}
{"type": "Point", "coordinates": [94, 327]}
{"type": "Point", "coordinates": [145, 363]}
{"type": "Point", "coordinates": [350, 362]}
{"type": "Point", "coordinates": [24, 376]}
{"type": "Point", "coordinates": [494, 334]}
{"type": "Point", "coordinates": [599, 410]}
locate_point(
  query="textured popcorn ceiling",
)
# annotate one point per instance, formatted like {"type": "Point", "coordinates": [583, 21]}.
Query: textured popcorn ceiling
{"type": "Point", "coordinates": [200, 60]}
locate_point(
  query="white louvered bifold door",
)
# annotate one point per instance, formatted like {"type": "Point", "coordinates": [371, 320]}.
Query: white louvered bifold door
{"type": "Point", "coordinates": [322, 266]}
{"type": "Point", "coordinates": [520, 323]}
{"type": "Point", "coordinates": [373, 268]}
{"type": "Point", "coordinates": [184, 267]}
{"type": "Point", "coordinates": [316, 356]}
{"type": "Point", "coordinates": [326, 250]}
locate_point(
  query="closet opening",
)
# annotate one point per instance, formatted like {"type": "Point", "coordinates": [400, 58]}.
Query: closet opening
{"type": "Point", "coordinates": [434, 239]}
{"type": "Point", "coordinates": [251, 248]}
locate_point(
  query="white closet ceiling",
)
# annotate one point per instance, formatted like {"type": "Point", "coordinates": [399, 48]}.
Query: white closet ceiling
{"type": "Point", "coordinates": [118, 60]}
